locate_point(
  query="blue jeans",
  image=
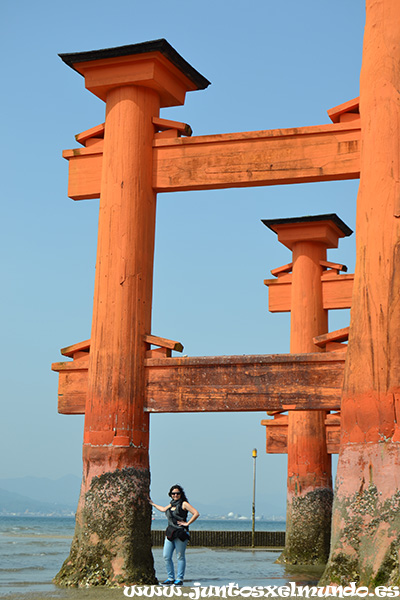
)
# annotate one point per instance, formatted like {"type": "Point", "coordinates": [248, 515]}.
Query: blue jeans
{"type": "Point", "coordinates": [168, 551]}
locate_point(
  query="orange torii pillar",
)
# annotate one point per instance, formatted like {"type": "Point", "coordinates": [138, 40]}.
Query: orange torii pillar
{"type": "Point", "coordinates": [112, 541]}
{"type": "Point", "coordinates": [365, 544]}
{"type": "Point", "coordinates": [309, 484]}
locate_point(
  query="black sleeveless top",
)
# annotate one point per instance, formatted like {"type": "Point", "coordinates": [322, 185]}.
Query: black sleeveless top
{"type": "Point", "coordinates": [176, 513]}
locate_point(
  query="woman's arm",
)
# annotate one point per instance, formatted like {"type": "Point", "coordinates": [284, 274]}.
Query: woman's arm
{"type": "Point", "coordinates": [191, 509]}
{"type": "Point", "coordinates": [158, 507]}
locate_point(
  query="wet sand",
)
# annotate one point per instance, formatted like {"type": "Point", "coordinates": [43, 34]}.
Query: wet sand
{"type": "Point", "coordinates": [117, 594]}
{"type": "Point", "coordinates": [205, 567]}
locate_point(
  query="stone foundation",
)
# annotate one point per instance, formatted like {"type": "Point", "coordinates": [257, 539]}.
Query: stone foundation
{"type": "Point", "coordinates": [366, 522]}
{"type": "Point", "coordinates": [112, 540]}
{"type": "Point", "coordinates": [308, 528]}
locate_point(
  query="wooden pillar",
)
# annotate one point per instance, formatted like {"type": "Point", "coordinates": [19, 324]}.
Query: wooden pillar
{"type": "Point", "coordinates": [124, 276]}
{"type": "Point", "coordinates": [366, 518]}
{"type": "Point", "coordinates": [309, 495]}
{"type": "Point", "coordinates": [112, 542]}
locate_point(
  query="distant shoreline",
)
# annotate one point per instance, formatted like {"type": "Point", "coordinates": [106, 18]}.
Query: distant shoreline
{"type": "Point", "coordinates": [273, 519]}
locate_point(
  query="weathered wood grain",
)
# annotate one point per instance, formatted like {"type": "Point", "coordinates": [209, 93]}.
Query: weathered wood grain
{"type": "Point", "coordinates": [244, 383]}
{"type": "Point", "coordinates": [280, 156]}
{"type": "Point", "coordinates": [223, 383]}
{"type": "Point", "coordinates": [270, 157]}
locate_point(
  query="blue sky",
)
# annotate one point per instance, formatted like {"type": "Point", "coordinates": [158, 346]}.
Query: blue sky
{"type": "Point", "coordinates": [271, 65]}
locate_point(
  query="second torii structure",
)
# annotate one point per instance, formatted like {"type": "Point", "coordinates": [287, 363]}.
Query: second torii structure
{"type": "Point", "coordinates": [308, 287]}
{"type": "Point", "coordinates": [126, 162]}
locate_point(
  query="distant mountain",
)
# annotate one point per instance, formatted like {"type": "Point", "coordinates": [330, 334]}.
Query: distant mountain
{"type": "Point", "coordinates": [17, 504]}
{"type": "Point", "coordinates": [64, 490]}
{"type": "Point", "coordinates": [41, 495]}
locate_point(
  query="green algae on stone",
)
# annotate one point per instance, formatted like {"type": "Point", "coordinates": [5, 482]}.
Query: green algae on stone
{"type": "Point", "coordinates": [308, 528]}
{"type": "Point", "coordinates": [368, 523]}
{"type": "Point", "coordinates": [389, 573]}
{"type": "Point", "coordinates": [112, 539]}
{"type": "Point", "coordinates": [342, 570]}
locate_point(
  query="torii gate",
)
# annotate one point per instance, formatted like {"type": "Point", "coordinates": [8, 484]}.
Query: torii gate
{"type": "Point", "coordinates": [117, 384]}
{"type": "Point", "coordinates": [127, 169]}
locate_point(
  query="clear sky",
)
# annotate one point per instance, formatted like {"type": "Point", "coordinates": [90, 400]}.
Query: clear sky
{"type": "Point", "coordinates": [272, 64]}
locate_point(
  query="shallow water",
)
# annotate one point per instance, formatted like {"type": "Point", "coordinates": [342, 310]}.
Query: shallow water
{"type": "Point", "coordinates": [32, 550]}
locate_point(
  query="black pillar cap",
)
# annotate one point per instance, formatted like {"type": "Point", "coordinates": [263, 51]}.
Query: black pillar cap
{"type": "Point", "coordinates": [292, 220]}
{"type": "Point", "coordinates": [160, 45]}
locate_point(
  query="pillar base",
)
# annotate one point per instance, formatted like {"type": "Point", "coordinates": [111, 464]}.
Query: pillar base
{"type": "Point", "coordinates": [112, 539]}
{"type": "Point", "coordinates": [308, 528]}
{"type": "Point", "coordinates": [366, 517]}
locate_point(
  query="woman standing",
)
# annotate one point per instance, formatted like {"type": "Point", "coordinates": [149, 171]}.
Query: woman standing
{"type": "Point", "coordinates": [177, 532]}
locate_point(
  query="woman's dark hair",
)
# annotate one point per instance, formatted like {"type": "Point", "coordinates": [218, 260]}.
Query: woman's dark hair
{"type": "Point", "coordinates": [182, 491]}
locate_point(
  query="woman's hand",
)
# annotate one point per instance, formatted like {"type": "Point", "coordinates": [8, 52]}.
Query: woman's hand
{"type": "Point", "coordinates": [157, 506]}
{"type": "Point", "coordinates": [184, 523]}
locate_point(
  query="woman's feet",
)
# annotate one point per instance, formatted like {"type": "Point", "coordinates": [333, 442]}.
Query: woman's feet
{"type": "Point", "coordinates": [172, 582]}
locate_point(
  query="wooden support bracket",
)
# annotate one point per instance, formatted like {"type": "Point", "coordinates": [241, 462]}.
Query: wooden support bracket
{"type": "Point", "coordinates": [79, 350]}
{"type": "Point", "coordinates": [163, 128]}
{"type": "Point", "coordinates": [337, 336]}
{"type": "Point", "coordinates": [282, 270]}
{"type": "Point", "coordinates": [85, 137]}
{"type": "Point", "coordinates": [165, 347]}
{"type": "Point", "coordinates": [334, 266]}
{"type": "Point", "coordinates": [345, 112]}
{"type": "Point", "coordinates": [166, 128]}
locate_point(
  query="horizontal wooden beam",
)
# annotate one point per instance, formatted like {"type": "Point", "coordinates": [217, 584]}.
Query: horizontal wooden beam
{"type": "Point", "coordinates": [244, 383]}
{"type": "Point", "coordinates": [337, 291]}
{"type": "Point", "coordinates": [223, 383]}
{"type": "Point", "coordinates": [277, 433]}
{"type": "Point", "coordinates": [213, 384]}
{"type": "Point", "coordinates": [258, 158]}
{"type": "Point", "coordinates": [280, 156]}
